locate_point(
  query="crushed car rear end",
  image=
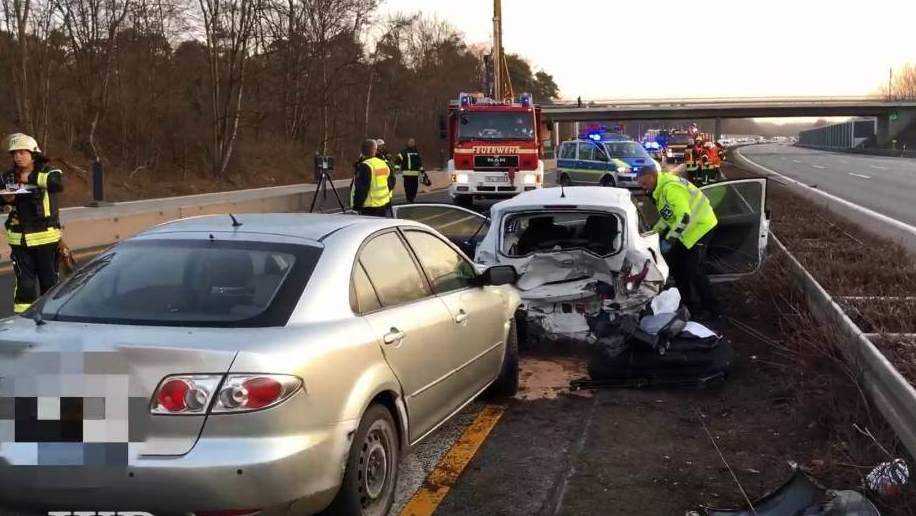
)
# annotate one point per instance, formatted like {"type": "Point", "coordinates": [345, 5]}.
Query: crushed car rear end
{"type": "Point", "coordinates": [579, 252]}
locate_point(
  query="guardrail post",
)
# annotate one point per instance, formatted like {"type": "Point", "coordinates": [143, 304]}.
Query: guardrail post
{"type": "Point", "coordinates": [98, 184]}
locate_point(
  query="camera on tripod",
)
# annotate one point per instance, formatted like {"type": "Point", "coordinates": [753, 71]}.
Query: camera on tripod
{"type": "Point", "coordinates": [324, 167]}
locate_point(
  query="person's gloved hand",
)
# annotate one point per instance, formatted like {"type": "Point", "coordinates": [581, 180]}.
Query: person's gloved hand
{"type": "Point", "coordinates": [665, 246]}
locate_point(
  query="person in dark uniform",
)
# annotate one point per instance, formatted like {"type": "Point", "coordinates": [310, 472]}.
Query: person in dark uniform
{"type": "Point", "coordinates": [411, 164]}
{"type": "Point", "coordinates": [33, 223]}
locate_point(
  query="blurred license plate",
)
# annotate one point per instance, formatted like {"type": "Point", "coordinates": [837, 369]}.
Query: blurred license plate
{"type": "Point", "coordinates": [496, 179]}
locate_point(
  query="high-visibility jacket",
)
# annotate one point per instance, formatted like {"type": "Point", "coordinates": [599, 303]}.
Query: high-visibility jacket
{"type": "Point", "coordinates": [379, 193]}
{"type": "Point", "coordinates": [682, 209]}
{"type": "Point", "coordinates": [690, 159]}
{"type": "Point", "coordinates": [35, 217]}
{"type": "Point", "coordinates": [712, 158]}
{"type": "Point", "coordinates": [410, 161]}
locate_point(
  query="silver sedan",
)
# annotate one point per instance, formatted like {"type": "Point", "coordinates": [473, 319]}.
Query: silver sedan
{"type": "Point", "coordinates": [275, 363]}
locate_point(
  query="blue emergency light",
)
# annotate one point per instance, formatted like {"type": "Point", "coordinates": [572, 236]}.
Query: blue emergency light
{"type": "Point", "coordinates": [526, 99]}
{"type": "Point", "coordinates": [595, 136]}
{"type": "Point", "coordinates": [464, 99]}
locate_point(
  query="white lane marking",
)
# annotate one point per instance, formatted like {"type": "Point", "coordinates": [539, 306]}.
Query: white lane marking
{"type": "Point", "coordinates": [903, 226]}
{"type": "Point", "coordinates": [876, 167]}
{"type": "Point", "coordinates": [795, 161]}
{"type": "Point", "coordinates": [860, 175]}
{"type": "Point", "coordinates": [818, 166]}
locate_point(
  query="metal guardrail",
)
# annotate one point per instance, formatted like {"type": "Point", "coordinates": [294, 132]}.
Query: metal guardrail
{"type": "Point", "coordinates": [90, 228]}
{"type": "Point", "coordinates": [882, 225]}
{"type": "Point", "coordinates": [887, 389]}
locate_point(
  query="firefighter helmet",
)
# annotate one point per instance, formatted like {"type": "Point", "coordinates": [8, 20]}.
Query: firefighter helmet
{"type": "Point", "coordinates": [19, 141]}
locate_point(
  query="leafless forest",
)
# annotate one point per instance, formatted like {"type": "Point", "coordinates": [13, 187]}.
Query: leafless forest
{"type": "Point", "coordinates": [228, 92]}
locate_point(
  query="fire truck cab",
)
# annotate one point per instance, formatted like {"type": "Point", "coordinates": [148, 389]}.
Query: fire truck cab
{"type": "Point", "coordinates": [495, 148]}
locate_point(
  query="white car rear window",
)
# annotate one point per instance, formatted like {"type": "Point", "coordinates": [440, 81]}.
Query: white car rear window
{"type": "Point", "coordinates": [596, 232]}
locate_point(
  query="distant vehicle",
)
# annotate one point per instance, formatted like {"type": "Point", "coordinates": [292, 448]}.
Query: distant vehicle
{"type": "Point", "coordinates": [281, 365]}
{"type": "Point", "coordinates": [677, 147]}
{"type": "Point", "coordinates": [597, 161]}
{"type": "Point", "coordinates": [655, 150]}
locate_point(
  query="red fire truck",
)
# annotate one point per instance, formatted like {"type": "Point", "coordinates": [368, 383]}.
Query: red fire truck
{"type": "Point", "coordinates": [495, 148]}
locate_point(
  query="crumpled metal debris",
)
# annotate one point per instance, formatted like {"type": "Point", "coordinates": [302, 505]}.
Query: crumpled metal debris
{"type": "Point", "coordinates": [800, 496]}
{"type": "Point", "coordinates": [888, 478]}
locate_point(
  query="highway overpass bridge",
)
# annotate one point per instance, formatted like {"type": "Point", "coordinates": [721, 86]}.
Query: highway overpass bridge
{"type": "Point", "coordinates": [892, 115]}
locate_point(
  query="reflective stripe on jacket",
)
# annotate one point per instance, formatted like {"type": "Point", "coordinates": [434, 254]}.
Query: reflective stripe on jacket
{"type": "Point", "coordinates": [411, 162]}
{"type": "Point", "coordinates": [682, 209]}
{"type": "Point", "coordinates": [35, 218]}
{"type": "Point", "coordinates": [379, 193]}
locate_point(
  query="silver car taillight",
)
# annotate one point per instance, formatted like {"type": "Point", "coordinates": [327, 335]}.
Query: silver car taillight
{"type": "Point", "coordinates": [185, 394]}
{"type": "Point", "coordinates": [193, 394]}
{"type": "Point", "coordinates": [243, 393]}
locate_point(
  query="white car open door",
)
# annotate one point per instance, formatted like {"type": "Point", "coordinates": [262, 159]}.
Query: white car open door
{"type": "Point", "coordinates": [463, 227]}
{"type": "Point", "coordinates": [739, 242]}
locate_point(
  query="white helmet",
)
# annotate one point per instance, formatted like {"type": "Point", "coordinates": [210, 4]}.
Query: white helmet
{"type": "Point", "coordinates": [380, 142]}
{"type": "Point", "coordinates": [19, 141]}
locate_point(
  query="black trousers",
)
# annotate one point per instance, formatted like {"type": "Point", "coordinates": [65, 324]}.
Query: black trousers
{"type": "Point", "coordinates": [36, 272]}
{"type": "Point", "coordinates": [411, 184]}
{"type": "Point", "coordinates": [382, 211]}
{"type": "Point", "coordinates": [688, 266]}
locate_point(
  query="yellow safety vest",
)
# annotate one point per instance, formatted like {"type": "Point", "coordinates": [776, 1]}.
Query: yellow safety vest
{"type": "Point", "coordinates": [675, 196]}
{"type": "Point", "coordinates": [379, 194]}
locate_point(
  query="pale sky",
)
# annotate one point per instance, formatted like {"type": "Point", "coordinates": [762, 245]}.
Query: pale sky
{"type": "Point", "coordinates": [605, 49]}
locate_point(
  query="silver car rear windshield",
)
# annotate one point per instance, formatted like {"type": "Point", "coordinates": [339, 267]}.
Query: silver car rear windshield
{"type": "Point", "coordinates": [194, 283]}
{"type": "Point", "coordinates": [600, 233]}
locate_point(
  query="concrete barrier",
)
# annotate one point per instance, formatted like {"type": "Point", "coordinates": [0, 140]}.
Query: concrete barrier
{"type": "Point", "coordinates": [89, 228]}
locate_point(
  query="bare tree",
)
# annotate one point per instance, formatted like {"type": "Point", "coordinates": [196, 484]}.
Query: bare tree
{"type": "Point", "coordinates": [229, 27]}
{"type": "Point", "coordinates": [91, 27]}
{"type": "Point", "coordinates": [328, 20]}
{"type": "Point", "coordinates": [16, 20]}
{"type": "Point", "coordinates": [903, 86]}
{"type": "Point", "coordinates": [388, 42]}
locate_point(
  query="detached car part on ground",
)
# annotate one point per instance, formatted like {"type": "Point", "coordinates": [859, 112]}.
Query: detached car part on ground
{"type": "Point", "coordinates": [586, 252]}
{"type": "Point", "coordinates": [281, 364]}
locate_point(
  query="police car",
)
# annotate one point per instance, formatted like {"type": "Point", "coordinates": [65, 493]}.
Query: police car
{"type": "Point", "coordinates": [600, 159]}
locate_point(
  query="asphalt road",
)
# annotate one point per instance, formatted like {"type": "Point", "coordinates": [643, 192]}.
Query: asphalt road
{"type": "Point", "coordinates": [885, 185]}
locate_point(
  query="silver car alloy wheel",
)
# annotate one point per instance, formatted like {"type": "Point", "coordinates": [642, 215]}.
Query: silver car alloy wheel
{"type": "Point", "coordinates": [375, 465]}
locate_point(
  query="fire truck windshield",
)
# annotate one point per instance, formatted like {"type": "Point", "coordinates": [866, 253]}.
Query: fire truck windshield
{"type": "Point", "coordinates": [496, 126]}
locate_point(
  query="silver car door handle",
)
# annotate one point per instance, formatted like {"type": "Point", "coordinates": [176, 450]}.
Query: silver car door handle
{"type": "Point", "coordinates": [461, 317]}
{"type": "Point", "coordinates": [395, 335]}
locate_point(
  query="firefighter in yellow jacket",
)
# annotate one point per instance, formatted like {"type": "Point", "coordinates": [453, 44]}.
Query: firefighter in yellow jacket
{"type": "Point", "coordinates": [685, 225]}
{"type": "Point", "coordinates": [373, 183]}
{"type": "Point", "coordinates": [33, 223]}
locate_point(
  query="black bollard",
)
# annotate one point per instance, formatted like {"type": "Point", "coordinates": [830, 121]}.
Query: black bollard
{"type": "Point", "coordinates": [98, 184]}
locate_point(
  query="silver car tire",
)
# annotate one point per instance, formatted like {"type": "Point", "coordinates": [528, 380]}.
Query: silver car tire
{"type": "Point", "coordinates": [506, 384]}
{"type": "Point", "coordinates": [368, 486]}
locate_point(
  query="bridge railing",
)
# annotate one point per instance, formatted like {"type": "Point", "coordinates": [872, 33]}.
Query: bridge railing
{"type": "Point", "coordinates": [701, 101]}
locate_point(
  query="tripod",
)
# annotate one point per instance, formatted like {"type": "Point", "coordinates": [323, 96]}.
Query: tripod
{"type": "Point", "coordinates": [323, 167]}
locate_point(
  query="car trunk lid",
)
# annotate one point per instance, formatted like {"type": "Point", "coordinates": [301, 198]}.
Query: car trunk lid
{"type": "Point", "coordinates": [75, 383]}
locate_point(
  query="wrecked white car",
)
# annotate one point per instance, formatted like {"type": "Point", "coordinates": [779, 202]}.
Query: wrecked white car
{"type": "Point", "coordinates": [581, 251]}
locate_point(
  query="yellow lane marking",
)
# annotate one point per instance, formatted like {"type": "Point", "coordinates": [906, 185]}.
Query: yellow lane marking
{"type": "Point", "coordinates": [446, 473]}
